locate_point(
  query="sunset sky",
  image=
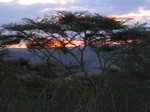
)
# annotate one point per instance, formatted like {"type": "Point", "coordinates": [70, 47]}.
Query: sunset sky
{"type": "Point", "coordinates": [14, 10]}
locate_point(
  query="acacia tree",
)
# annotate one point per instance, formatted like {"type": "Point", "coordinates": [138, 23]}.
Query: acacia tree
{"type": "Point", "coordinates": [61, 30]}
{"type": "Point", "coordinates": [51, 36]}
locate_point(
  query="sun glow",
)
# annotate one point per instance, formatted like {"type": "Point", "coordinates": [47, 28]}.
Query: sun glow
{"type": "Point", "coordinates": [52, 44]}
{"type": "Point", "coordinates": [65, 43]}
{"type": "Point", "coordinates": [20, 45]}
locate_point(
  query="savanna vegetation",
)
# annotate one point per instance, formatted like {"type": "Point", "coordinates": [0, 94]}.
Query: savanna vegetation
{"type": "Point", "coordinates": [121, 83]}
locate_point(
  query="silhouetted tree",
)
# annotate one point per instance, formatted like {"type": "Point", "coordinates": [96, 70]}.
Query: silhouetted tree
{"type": "Point", "coordinates": [92, 30]}
{"type": "Point", "coordinates": [112, 88]}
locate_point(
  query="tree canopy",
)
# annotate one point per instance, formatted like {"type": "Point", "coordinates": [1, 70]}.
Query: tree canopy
{"type": "Point", "coordinates": [67, 26]}
{"type": "Point", "coordinates": [61, 29]}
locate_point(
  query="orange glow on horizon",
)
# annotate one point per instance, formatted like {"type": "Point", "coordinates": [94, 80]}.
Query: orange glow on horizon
{"type": "Point", "coordinates": [20, 45]}
{"type": "Point", "coordinates": [52, 44]}
{"type": "Point", "coordinates": [73, 43]}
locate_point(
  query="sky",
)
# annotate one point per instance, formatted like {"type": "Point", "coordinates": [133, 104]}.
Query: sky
{"type": "Point", "coordinates": [12, 11]}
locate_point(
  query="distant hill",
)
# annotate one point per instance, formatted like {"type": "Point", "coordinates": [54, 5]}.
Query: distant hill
{"type": "Point", "coordinates": [90, 58]}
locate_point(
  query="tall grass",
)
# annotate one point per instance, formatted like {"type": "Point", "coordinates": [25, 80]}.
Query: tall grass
{"type": "Point", "coordinates": [32, 91]}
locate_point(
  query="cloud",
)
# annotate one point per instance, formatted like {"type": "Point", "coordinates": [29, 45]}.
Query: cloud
{"type": "Point", "coordinates": [14, 10]}
{"type": "Point", "coordinates": [67, 8]}
{"type": "Point", "coordinates": [113, 6]}
{"type": "Point", "coordinates": [51, 9]}
{"type": "Point", "coordinates": [30, 2]}
{"type": "Point", "coordinates": [141, 15]}
{"type": "Point", "coordinates": [6, 0]}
